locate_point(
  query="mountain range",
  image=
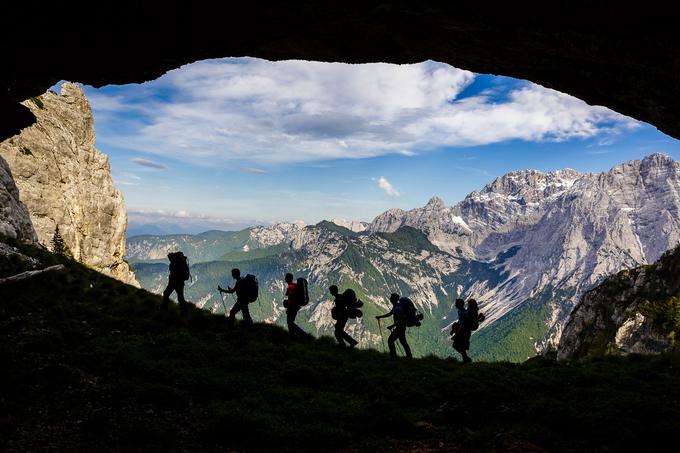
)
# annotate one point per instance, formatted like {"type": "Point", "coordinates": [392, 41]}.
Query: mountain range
{"type": "Point", "coordinates": [527, 246]}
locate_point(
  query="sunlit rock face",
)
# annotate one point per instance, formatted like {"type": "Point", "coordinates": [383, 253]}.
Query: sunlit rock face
{"type": "Point", "coordinates": [65, 181]}
{"type": "Point", "coordinates": [630, 312]}
{"type": "Point", "coordinates": [14, 219]}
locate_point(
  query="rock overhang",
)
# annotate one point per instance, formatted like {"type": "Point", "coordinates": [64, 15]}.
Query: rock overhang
{"type": "Point", "coordinates": [625, 58]}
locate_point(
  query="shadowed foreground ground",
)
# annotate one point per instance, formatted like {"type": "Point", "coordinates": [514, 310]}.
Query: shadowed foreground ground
{"type": "Point", "coordinates": [91, 364]}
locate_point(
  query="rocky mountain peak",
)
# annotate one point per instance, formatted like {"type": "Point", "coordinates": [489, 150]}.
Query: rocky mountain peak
{"type": "Point", "coordinates": [531, 185]}
{"type": "Point", "coordinates": [435, 203]}
{"type": "Point", "coordinates": [658, 164]}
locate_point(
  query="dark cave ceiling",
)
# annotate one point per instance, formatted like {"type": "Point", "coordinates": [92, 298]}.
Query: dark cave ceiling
{"type": "Point", "coordinates": [624, 57]}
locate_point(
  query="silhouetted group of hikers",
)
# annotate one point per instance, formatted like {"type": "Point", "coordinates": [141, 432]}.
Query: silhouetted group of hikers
{"type": "Point", "coordinates": [346, 306]}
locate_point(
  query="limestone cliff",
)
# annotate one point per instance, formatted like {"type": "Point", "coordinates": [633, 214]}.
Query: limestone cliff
{"type": "Point", "coordinates": [634, 311]}
{"type": "Point", "coordinates": [64, 180]}
{"type": "Point", "coordinates": [14, 219]}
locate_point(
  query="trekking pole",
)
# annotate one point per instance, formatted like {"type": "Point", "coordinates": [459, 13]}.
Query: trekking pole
{"type": "Point", "coordinates": [224, 305]}
{"type": "Point", "coordinates": [381, 335]}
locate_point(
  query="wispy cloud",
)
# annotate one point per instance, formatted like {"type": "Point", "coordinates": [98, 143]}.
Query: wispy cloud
{"type": "Point", "coordinates": [389, 189]}
{"type": "Point", "coordinates": [217, 111]}
{"type": "Point", "coordinates": [188, 219]}
{"type": "Point", "coordinates": [148, 163]}
{"type": "Point", "coordinates": [252, 170]}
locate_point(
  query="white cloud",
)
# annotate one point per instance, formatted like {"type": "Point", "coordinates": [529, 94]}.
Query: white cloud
{"type": "Point", "coordinates": [148, 163]}
{"type": "Point", "coordinates": [389, 189]}
{"type": "Point", "coordinates": [218, 111]}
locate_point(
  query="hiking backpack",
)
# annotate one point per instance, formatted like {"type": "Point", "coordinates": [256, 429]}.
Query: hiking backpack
{"type": "Point", "coordinates": [411, 315]}
{"type": "Point", "coordinates": [301, 294]}
{"type": "Point", "coordinates": [250, 288]}
{"type": "Point", "coordinates": [179, 265]}
{"type": "Point", "coordinates": [349, 297]}
{"type": "Point", "coordinates": [475, 319]}
{"type": "Point", "coordinates": [352, 304]}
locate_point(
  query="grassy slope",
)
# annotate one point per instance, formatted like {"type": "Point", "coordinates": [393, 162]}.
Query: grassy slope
{"type": "Point", "coordinates": [91, 364]}
{"type": "Point", "coordinates": [513, 336]}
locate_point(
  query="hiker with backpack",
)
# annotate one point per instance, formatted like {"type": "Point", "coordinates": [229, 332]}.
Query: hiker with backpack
{"type": "Point", "coordinates": [297, 296]}
{"type": "Point", "coordinates": [402, 310]}
{"type": "Point", "coordinates": [179, 273]}
{"type": "Point", "coordinates": [468, 321]}
{"type": "Point", "coordinates": [246, 292]}
{"type": "Point", "coordinates": [460, 308]}
{"type": "Point", "coordinates": [340, 312]}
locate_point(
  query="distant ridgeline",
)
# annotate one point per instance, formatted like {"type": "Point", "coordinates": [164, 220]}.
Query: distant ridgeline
{"type": "Point", "coordinates": [527, 246]}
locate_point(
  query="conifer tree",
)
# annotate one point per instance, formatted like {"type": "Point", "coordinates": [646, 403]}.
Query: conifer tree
{"type": "Point", "coordinates": [59, 247]}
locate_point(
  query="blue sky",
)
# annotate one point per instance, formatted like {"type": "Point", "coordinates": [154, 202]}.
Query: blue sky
{"type": "Point", "coordinates": [232, 142]}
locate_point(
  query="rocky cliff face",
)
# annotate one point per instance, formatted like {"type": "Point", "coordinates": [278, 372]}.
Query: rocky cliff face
{"type": "Point", "coordinates": [14, 219]}
{"type": "Point", "coordinates": [634, 311]}
{"type": "Point", "coordinates": [65, 181]}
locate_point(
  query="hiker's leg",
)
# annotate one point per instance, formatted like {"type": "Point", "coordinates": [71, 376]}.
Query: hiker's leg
{"type": "Point", "coordinates": [390, 342]}
{"type": "Point", "coordinates": [179, 289]}
{"type": "Point", "coordinates": [466, 347]}
{"type": "Point", "coordinates": [352, 342]}
{"type": "Point", "coordinates": [291, 313]}
{"type": "Point", "coordinates": [340, 331]}
{"type": "Point", "coordinates": [232, 313]}
{"type": "Point", "coordinates": [297, 330]}
{"type": "Point", "coordinates": [246, 314]}
{"type": "Point", "coordinates": [402, 340]}
{"type": "Point", "coordinates": [166, 295]}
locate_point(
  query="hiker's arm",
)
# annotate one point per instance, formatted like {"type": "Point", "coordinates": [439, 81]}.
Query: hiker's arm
{"type": "Point", "coordinates": [228, 290]}
{"type": "Point", "coordinates": [385, 315]}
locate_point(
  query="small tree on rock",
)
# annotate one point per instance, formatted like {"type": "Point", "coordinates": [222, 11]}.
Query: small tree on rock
{"type": "Point", "coordinates": [59, 247]}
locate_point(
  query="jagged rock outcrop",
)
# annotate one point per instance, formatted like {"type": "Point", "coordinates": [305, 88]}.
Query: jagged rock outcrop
{"type": "Point", "coordinates": [14, 219]}
{"type": "Point", "coordinates": [634, 311]}
{"type": "Point", "coordinates": [352, 225]}
{"type": "Point", "coordinates": [261, 236]}
{"type": "Point", "coordinates": [64, 180]}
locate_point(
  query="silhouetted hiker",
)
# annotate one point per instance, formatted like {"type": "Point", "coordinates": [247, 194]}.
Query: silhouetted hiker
{"type": "Point", "coordinates": [469, 320]}
{"type": "Point", "coordinates": [398, 328]}
{"type": "Point", "coordinates": [460, 308]}
{"type": "Point", "coordinates": [179, 273]}
{"type": "Point", "coordinates": [296, 297]}
{"type": "Point", "coordinates": [339, 313]}
{"type": "Point", "coordinates": [246, 292]}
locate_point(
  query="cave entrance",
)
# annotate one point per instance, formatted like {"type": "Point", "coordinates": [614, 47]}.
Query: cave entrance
{"type": "Point", "coordinates": [423, 178]}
